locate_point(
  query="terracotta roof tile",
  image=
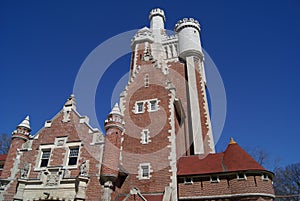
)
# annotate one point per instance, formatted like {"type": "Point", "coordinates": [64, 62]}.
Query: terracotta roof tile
{"type": "Point", "coordinates": [234, 158]}
{"type": "Point", "coordinates": [3, 157]}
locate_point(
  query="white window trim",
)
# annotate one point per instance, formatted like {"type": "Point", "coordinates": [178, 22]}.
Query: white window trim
{"type": "Point", "coordinates": [214, 181]}
{"type": "Point", "coordinates": [136, 109]}
{"type": "Point", "coordinates": [68, 156]}
{"type": "Point", "coordinates": [140, 171]}
{"type": "Point", "coordinates": [143, 140]}
{"type": "Point", "coordinates": [188, 182]}
{"type": "Point", "coordinates": [241, 178]}
{"type": "Point", "coordinates": [42, 150]}
{"type": "Point", "coordinates": [149, 105]}
{"type": "Point", "coordinates": [265, 177]}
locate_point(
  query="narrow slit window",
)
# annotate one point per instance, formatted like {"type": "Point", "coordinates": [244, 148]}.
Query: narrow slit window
{"type": "Point", "coordinates": [145, 136]}
{"type": "Point", "coordinates": [146, 79]}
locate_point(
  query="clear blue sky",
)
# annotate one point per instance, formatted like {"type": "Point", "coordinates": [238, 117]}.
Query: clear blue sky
{"type": "Point", "coordinates": [255, 45]}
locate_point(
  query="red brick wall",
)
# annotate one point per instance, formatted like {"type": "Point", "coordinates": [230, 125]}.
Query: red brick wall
{"type": "Point", "coordinates": [75, 131]}
{"type": "Point", "coordinates": [227, 186]}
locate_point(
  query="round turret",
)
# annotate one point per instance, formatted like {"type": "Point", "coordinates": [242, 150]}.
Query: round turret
{"type": "Point", "coordinates": [157, 12]}
{"type": "Point", "coordinates": [157, 24]}
{"type": "Point", "coordinates": [23, 130]}
{"type": "Point", "coordinates": [188, 31]}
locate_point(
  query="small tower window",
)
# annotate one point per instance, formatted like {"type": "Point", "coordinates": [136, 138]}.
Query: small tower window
{"type": "Point", "coordinates": [144, 171]}
{"type": "Point", "coordinates": [139, 107]}
{"type": "Point", "coordinates": [45, 158]}
{"type": "Point", "coordinates": [73, 155]}
{"type": "Point", "coordinates": [145, 136]}
{"type": "Point", "coordinates": [153, 105]}
{"type": "Point", "coordinates": [146, 79]}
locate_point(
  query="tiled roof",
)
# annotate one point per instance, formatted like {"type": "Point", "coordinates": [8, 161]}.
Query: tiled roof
{"type": "Point", "coordinates": [3, 157]}
{"type": "Point", "coordinates": [234, 158]}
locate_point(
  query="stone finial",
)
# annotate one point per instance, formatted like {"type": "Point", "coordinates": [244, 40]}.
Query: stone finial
{"type": "Point", "coordinates": [71, 101]}
{"type": "Point", "coordinates": [25, 123]}
{"type": "Point", "coordinates": [232, 141]}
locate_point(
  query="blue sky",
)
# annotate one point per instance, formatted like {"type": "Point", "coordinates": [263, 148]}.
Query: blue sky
{"type": "Point", "coordinates": [255, 45]}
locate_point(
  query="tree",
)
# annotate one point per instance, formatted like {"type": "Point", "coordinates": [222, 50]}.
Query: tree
{"type": "Point", "coordinates": [5, 141]}
{"type": "Point", "coordinates": [264, 158]}
{"type": "Point", "coordinates": [287, 183]}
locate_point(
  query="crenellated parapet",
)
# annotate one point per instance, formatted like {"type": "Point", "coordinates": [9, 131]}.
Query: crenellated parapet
{"type": "Point", "coordinates": [187, 22]}
{"type": "Point", "coordinates": [157, 12]}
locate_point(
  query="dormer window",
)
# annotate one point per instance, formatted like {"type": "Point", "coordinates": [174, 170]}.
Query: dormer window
{"type": "Point", "coordinates": [264, 177]}
{"type": "Point", "coordinates": [188, 180]}
{"type": "Point", "coordinates": [214, 179]}
{"type": "Point", "coordinates": [241, 176]}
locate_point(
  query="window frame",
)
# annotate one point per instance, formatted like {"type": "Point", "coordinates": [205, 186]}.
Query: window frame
{"type": "Point", "coordinates": [44, 158]}
{"type": "Point", "coordinates": [71, 157]}
{"type": "Point", "coordinates": [265, 177]}
{"type": "Point", "coordinates": [137, 103]}
{"type": "Point", "coordinates": [141, 171]}
{"type": "Point", "coordinates": [188, 180]}
{"type": "Point", "coordinates": [145, 138]}
{"type": "Point", "coordinates": [150, 109]}
{"type": "Point", "coordinates": [214, 179]}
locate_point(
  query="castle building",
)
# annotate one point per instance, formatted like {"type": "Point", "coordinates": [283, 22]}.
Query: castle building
{"type": "Point", "coordinates": [158, 142]}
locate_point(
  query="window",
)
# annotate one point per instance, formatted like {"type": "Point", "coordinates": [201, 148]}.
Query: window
{"type": "Point", "coordinates": [145, 171]}
{"type": "Point", "coordinates": [45, 158]}
{"type": "Point", "coordinates": [265, 177]}
{"type": "Point", "coordinates": [73, 155]}
{"type": "Point", "coordinates": [241, 176]}
{"type": "Point", "coordinates": [188, 180]}
{"type": "Point", "coordinates": [146, 80]}
{"type": "Point", "coordinates": [214, 179]}
{"type": "Point", "coordinates": [145, 136]}
{"type": "Point", "coordinates": [139, 107]}
{"type": "Point", "coordinates": [152, 106]}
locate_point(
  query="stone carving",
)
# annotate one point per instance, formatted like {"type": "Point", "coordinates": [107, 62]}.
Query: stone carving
{"type": "Point", "coordinates": [52, 180]}
{"type": "Point", "coordinates": [84, 168]}
{"type": "Point", "coordinates": [27, 145]}
{"type": "Point", "coordinates": [25, 170]}
{"type": "Point", "coordinates": [67, 174]}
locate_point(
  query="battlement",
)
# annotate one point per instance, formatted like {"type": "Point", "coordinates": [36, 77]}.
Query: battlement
{"type": "Point", "coordinates": [187, 22]}
{"type": "Point", "coordinates": [157, 11]}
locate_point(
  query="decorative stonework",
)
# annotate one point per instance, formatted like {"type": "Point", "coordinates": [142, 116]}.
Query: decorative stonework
{"type": "Point", "coordinates": [84, 168]}
{"type": "Point", "coordinates": [25, 170]}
